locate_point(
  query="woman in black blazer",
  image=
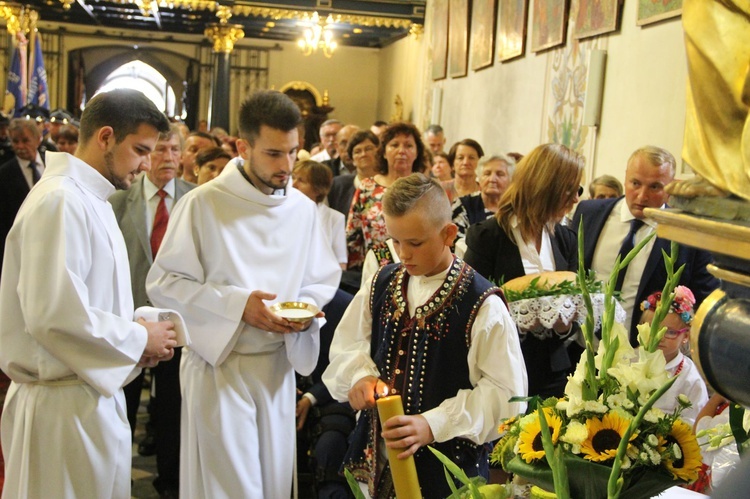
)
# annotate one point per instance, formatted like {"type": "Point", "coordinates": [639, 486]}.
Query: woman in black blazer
{"type": "Point", "coordinates": [525, 237]}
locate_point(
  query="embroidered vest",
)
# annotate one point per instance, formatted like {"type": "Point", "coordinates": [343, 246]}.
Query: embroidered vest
{"type": "Point", "coordinates": [423, 358]}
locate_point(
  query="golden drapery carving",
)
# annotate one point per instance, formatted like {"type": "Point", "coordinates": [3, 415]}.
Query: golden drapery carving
{"type": "Point", "coordinates": [717, 125]}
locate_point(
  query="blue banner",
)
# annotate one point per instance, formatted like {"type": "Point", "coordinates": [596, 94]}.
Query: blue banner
{"type": "Point", "coordinates": [38, 93]}
{"type": "Point", "coordinates": [15, 86]}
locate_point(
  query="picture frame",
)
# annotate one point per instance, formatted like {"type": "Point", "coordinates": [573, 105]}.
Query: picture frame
{"type": "Point", "coordinates": [512, 19]}
{"type": "Point", "coordinates": [596, 17]}
{"type": "Point", "coordinates": [650, 11]}
{"type": "Point", "coordinates": [482, 42]}
{"type": "Point", "coordinates": [439, 40]}
{"type": "Point", "coordinates": [458, 38]}
{"type": "Point", "coordinates": [549, 23]}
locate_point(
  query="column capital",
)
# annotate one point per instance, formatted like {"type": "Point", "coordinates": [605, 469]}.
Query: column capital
{"type": "Point", "coordinates": [224, 36]}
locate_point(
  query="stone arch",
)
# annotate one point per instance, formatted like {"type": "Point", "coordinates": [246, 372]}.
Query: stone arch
{"type": "Point", "coordinates": [101, 61]}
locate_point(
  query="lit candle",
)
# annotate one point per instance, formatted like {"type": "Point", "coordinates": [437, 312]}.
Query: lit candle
{"type": "Point", "coordinates": [404, 471]}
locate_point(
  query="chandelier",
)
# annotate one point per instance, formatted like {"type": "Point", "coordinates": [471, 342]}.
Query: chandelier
{"type": "Point", "coordinates": [318, 36]}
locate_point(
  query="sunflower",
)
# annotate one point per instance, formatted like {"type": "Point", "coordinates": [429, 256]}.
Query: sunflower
{"type": "Point", "coordinates": [688, 464]}
{"type": "Point", "coordinates": [530, 440]}
{"type": "Point", "coordinates": [604, 437]}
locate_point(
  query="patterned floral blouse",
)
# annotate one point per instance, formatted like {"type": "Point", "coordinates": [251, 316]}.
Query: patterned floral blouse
{"type": "Point", "coordinates": [365, 225]}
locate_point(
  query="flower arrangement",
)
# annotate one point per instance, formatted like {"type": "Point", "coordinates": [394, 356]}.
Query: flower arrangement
{"type": "Point", "coordinates": [604, 437]}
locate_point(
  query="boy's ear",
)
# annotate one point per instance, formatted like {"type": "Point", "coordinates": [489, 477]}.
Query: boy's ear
{"type": "Point", "coordinates": [450, 231]}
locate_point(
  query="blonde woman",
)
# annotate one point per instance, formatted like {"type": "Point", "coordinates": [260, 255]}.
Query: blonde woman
{"type": "Point", "coordinates": [525, 237]}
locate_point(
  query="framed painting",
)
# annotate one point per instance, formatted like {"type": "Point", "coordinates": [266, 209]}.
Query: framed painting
{"type": "Point", "coordinates": [549, 24]}
{"type": "Point", "coordinates": [512, 17]}
{"type": "Point", "coordinates": [458, 38]}
{"type": "Point", "coordinates": [439, 39]}
{"type": "Point", "coordinates": [482, 43]}
{"type": "Point", "coordinates": [651, 11]}
{"type": "Point", "coordinates": [596, 17]}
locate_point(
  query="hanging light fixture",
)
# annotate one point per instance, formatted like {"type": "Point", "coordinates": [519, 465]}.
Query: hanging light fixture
{"type": "Point", "coordinates": [318, 36]}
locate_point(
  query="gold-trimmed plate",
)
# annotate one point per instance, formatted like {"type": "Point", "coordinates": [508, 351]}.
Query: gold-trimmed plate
{"type": "Point", "coordinates": [295, 311]}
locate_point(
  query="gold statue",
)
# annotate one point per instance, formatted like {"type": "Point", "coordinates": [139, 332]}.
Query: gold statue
{"type": "Point", "coordinates": [717, 128]}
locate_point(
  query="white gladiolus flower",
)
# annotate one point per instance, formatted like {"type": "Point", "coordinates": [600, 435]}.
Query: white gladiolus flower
{"type": "Point", "coordinates": [624, 351]}
{"type": "Point", "coordinates": [644, 376]}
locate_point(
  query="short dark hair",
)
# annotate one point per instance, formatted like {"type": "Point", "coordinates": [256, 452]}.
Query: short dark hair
{"type": "Point", "coordinates": [210, 154]}
{"type": "Point", "coordinates": [206, 136]}
{"type": "Point", "coordinates": [401, 128]}
{"type": "Point", "coordinates": [270, 108]}
{"type": "Point", "coordinates": [380, 123]}
{"type": "Point", "coordinates": [69, 133]}
{"type": "Point", "coordinates": [466, 142]}
{"type": "Point", "coordinates": [360, 137]}
{"type": "Point", "coordinates": [124, 110]}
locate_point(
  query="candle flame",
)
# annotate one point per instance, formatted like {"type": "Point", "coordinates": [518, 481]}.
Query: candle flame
{"type": "Point", "coordinates": [385, 391]}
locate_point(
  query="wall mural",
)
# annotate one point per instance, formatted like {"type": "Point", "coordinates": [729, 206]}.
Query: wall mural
{"type": "Point", "coordinates": [567, 69]}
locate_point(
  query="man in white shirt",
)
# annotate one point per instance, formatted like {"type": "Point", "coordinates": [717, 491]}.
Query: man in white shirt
{"type": "Point", "coordinates": [328, 131]}
{"type": "Point", "coordinates": [234, 246]}
{"type": "Point", "coordinates": [607, 223]}
{"type": "Point", "coordinates": [67, 339]}
{"type": "Point", "coordinates": [142, 221]}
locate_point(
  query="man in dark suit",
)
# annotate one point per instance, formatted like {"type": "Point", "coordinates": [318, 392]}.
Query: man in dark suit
{"type": "Point", "coordinates": [607, 223]}
{"type": "Point", "coordinates": [19, 174]}
{"type": "Point", "coordinates": [142, 219]}
{"type": "Point", "coordinates": [342, 164]}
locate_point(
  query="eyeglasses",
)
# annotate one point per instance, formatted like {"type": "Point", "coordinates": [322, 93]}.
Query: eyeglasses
{"type": "Point", "coordinates": [674, 333]}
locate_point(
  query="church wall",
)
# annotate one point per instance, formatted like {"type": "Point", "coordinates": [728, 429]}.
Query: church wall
{"type": "Point", "coordinates": [517, 105]}
{"type": "Point", "coordinates": [350, 76]}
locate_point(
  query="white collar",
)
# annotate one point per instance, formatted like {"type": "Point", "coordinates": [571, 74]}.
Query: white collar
{"type": "Point", "coordinates": [626, 216]}
{"type": "Point", "coordinates": [150, 189]}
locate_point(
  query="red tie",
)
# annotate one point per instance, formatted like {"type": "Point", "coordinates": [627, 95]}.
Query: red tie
{"type": "Point", "coordinates": [160, 223]}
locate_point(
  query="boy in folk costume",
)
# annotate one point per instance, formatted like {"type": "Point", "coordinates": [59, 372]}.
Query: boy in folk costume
{"type": "Point", "coordinates": [434, 331]}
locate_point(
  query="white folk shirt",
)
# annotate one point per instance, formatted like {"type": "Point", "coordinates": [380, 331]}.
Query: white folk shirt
{"type": "Point", "coordinates": [67, 339]}
{"type": "Point", "coordinates": [608, 246]}
{"type": "Point", "coordinates": [226, 239]}
{"type": "Point", "coordinates": [496, 368]}
{"type": "Point", "coordinates": [689, 383]}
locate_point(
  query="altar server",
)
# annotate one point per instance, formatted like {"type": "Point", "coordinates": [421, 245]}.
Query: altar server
{"type": "Point", "coordinates": [235, 246]}
{"type": "Point", "coordinates": [67, 336]}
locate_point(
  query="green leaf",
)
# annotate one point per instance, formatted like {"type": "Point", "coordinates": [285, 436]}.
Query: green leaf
{"type": "Point", "coordinates": [736, 417]}
{"type": "Point", "coordinates": [456, 471]}
{"type": "Point", "coordinates": [353, 485]}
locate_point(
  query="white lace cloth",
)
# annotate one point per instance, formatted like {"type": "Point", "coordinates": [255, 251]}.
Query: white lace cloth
{"type": "Point", "coordinates": [538, 315]}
